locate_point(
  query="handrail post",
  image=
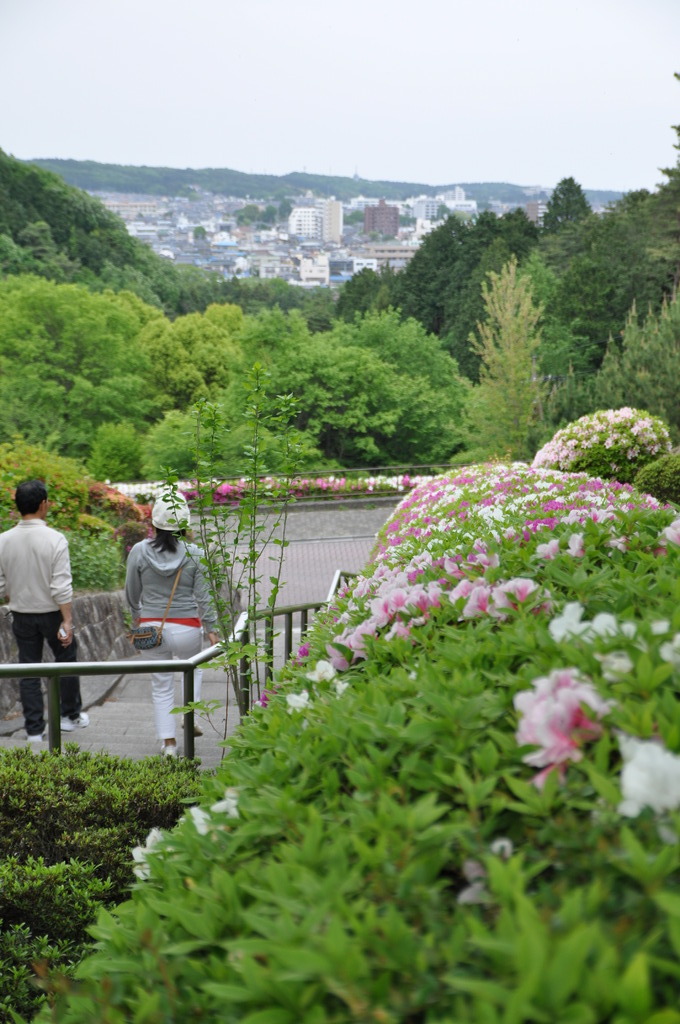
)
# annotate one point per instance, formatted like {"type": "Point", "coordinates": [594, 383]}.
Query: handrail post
{"type": "Point", "coordinates": [287, 636]}
{"type": "Point", "coordinates": [244, 674]}
{"type": "Point", "coordinates": [187, 698]}
{"type": "Point", "coordinates": [54, 713]}
{"type": "Point", "coordinates": [269, 648]}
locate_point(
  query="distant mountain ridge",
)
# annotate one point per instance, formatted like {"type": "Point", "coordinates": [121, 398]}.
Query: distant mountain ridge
{"type": "Point", "coordinates": [98, 177]}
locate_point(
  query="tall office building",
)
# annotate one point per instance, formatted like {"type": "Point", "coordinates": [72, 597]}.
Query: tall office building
{"type": "Point", "coordinates": [331, 215]}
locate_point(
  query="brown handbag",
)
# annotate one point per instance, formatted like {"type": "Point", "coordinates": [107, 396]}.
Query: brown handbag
{"type": "Point", "coordinates": [147, 636]}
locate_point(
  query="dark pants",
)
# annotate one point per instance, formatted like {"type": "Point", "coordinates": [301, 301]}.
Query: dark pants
{"type": "Point", "coordinates": [31, 629]}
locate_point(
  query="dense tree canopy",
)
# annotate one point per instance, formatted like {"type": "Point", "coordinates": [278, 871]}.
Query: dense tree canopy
{"type": "Point", "coordinates": [105, 347]}
{"type": "Point", "coordinates": [441, 286]}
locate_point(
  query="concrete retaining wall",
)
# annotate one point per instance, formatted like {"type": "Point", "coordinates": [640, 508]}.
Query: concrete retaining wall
{"type": "Point", "coordinates": [99, 626]}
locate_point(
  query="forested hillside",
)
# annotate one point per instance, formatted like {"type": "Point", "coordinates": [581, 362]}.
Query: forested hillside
{"type": "Point", "coordinates": [56, 231]}
{"type": "Point", "coordinates": [496, 333]}
{"type": "Point", "coordinates": [172, 181]}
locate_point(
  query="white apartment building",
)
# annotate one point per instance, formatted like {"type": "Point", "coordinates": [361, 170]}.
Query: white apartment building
{"type": "Point", "coordinates": [315, 270]}
{"type": "Point", "coordinates": [305, 222]}
{"type": "Point", "coordinates": [426, 208]}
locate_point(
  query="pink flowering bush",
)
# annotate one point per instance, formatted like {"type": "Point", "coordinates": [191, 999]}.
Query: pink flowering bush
{"type": "Point", "coordinates": [461, 800]}
{"type": "Point", "coordinates": [614, 444]}
{"type": "Point", "coordinates": [231, 492]}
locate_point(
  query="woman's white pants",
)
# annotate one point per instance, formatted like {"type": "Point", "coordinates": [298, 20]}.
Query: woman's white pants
{"type": "Point", "coordinates": [178, 642]}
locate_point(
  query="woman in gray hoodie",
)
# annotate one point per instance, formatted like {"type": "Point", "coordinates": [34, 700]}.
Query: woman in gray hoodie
{"type": "Point", "coordinates": [152, 568]}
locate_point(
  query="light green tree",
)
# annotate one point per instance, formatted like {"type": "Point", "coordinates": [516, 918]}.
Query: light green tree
{"type": "Point", "coordinates": [70, 361]}
{"type": "Point", "coordinates": [116, 452]}
{"type": "Point", "coordinates": [508, 401]}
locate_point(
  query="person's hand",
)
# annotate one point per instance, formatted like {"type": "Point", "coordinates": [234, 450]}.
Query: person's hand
{"type": "Point", "coordinates": [65, 634]}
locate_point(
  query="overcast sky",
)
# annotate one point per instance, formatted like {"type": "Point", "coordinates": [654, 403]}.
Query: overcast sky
{"type": "Point", "coordinates": [435, 91]}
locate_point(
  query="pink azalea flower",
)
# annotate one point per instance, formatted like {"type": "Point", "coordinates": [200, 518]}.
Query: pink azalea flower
{"type": "Point", "coordinates": [672, 532]}
{"type": "Point", "coordinates": [553, 720]}
{"type": "Point", "coordinates": [520, 588]}
{"type": "Point", "coordinates": [548, 551]}
{"type": "Point", "coordinates": [478, 601]}
{"type": "Point", "coordinates": [575, 546]}
{"type": "Point", "coordinates": [463, 589]}
{"type": "Point", "coordinates": [336, 658]}
{"type": "Point", "coordinates": [399, 628]}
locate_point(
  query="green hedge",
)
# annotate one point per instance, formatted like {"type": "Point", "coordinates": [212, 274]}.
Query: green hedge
{"type": "Point", "coordinates": [67, 825]}
{"type": "Point", "coordinates": [661, 478]}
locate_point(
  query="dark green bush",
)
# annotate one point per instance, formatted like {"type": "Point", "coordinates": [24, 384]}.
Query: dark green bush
{"type": "Point", "coordinates": [661, 478]}
{"type": "Point", "coordinates": [55, 900]}
{"type": "Point", "coordinates": [92, 807]}
{"type": "Point", "coordinates": [24, 959]}
{"type": "Point", "coordinates": [68, 824]}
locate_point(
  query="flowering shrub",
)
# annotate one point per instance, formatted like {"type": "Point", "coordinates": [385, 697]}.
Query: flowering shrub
{"type": "Point", "coordinates": [377, 844]}
{"type": "Point", "coordinates": [230, 492]}
{"type": "Point", "coordinates": [613, 444]}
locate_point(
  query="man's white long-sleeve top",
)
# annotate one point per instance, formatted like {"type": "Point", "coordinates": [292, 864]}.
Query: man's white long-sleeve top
{"type": "Point", "coordinates": [35, 569]}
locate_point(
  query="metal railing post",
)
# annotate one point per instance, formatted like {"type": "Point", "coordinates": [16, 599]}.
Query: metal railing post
{"type": "Point", "coordinates": [244, 674]}
{"type": "Point", "coordinates": [54, 712]}
{"type": "Point", "coordinates": [187, 697]}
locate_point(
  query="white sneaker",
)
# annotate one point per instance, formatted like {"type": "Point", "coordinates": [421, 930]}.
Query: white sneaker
{"type": "Point", "coordinates": [80, 722]}
{"type": "Point", "coordinates": [169, 750]}
{"type": "Point", "coordinates": [38, 738]}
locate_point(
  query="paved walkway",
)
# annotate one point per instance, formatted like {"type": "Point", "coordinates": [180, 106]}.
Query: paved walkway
{"type": "Point", "coordinates": [323, 538]}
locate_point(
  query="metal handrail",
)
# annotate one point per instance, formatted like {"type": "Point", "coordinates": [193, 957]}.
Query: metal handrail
{"type": "Point", "coordinates": [52, 671]}
{"type": "Point", "coordinates": [242, 634]}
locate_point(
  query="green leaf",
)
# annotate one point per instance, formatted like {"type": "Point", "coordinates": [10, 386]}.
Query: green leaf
{"type": "Point", "coordinates": [634, 991]}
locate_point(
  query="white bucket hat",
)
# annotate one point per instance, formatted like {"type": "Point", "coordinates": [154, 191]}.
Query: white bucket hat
{"type": "Point", "coordinates": [170, 516]}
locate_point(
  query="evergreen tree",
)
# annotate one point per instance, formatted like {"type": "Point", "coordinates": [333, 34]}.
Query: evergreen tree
{"type": "Point", "coordinates": [567, 205]}
{"type": "Point", "coordinates": [644, 370]}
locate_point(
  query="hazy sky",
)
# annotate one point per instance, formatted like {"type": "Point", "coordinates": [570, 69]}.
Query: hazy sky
{"type": "Point", "coordinates": [436, 91]}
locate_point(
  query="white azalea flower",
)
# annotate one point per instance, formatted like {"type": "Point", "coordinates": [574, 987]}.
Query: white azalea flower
{"type": "Point", "coordinates": [340, 686]}
{"type": "Point", "coordinates": [323, 671]}
{"type": "Point", "coordinates": [297, 701]}
{"type": "Point", "coordinates": [650, 777]}
{"type": "Point", "coordinates": [615, 664]}
{"type": "Point", "coordinates": [229, 805]}
{"type": "Point", "coordinates": [502, 847]}
{"type": "Point", "coordinates": [201, 820]}
{"type": "Point", "coordinates": [471, 894]}
{"type": "Point", "coordinates": [140, 854]}
{"type": "Point", "coordinates": [569, 623]}
{"type": "Point", "coordinates": [660, 627]}
{"type": "Point", "coordinates": [605, 624]}
{"type": "Point", "coordinates": [670, 651]}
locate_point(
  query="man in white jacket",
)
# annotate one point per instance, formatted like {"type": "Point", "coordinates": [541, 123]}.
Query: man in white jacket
{"type": "Point", "coordinates": [35, 577]}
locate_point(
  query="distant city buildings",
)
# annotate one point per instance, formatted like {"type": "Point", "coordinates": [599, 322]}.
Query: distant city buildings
{"type": "Point", "coordinates": [314, 247]}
